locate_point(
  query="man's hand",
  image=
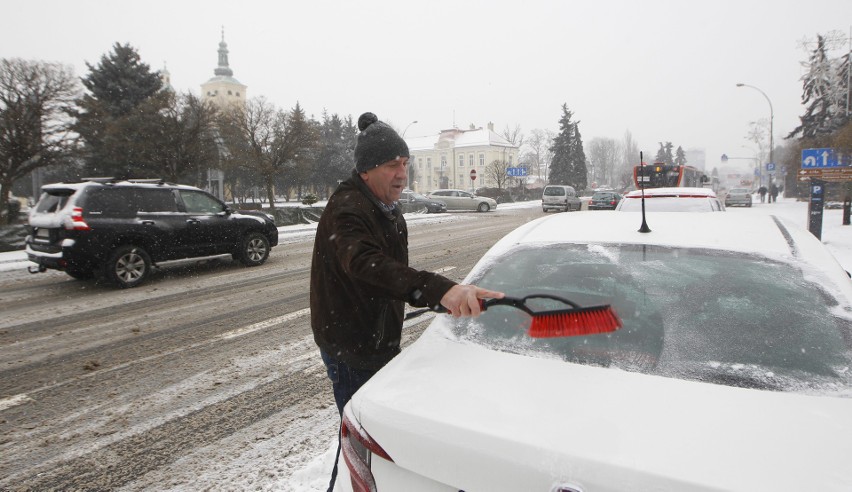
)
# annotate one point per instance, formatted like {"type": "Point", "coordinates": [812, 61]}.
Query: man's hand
{"type": "Point", "coordinates": [463, 300]}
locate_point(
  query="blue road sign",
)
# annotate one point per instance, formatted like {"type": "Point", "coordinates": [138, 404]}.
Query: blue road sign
{"type": "Point", "coordinates": [516, 171]}
{"type": "Point", "coordinates": [820, 158]}
{"type": "Point", "coordinates": [770, 166]}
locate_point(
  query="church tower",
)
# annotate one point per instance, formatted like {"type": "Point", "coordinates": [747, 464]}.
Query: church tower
{"type": "Point", "coordinates": [223, 89]}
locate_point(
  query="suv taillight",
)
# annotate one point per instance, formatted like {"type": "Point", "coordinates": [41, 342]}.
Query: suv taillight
{"type": "Point", "coordinates": [77, 223]}
{"type": "Point", "coordinates": [358, 448]}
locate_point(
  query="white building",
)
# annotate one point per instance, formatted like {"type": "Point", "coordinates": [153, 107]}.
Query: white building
{"type": "Point", "coordinates": [224, 91]}
{"type": "Point", "coordinates": [447, 159]}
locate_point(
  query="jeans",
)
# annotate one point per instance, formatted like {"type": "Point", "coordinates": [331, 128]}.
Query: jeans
{"type": "Point", "coordinates": [345, 381]}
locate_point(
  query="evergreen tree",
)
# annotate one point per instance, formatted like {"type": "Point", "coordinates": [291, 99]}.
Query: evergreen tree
{"type": "Point", "coordinates": [821, 94]}
{"type": "Point", "coordinates": [665, 155]}
{"type": "Point", "coordinates": [680, 156]}
{"type": "Point", "coordinates": [121, 82]}
{"type": "Point", "coordinates": [119, 120]}
{"type": "Point", "coordinates": [336, 151]}
{"type": "Point", "coordinates": [568, 166]}
{"type": "Point", "coordinates": [298, 147]}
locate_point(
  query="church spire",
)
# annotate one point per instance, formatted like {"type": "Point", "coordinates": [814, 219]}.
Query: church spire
{"type": "Point", "coordinates": [223, 68]}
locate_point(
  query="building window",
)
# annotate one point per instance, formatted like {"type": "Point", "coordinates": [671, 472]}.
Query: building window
{"type": "Point", "coordinates": [238, 94]}
{"type": "Point", "coordinates": [461, 160]}
{"type": "Point", "coordinates": [481, 160]}
{"type": "Point", "coordinates": [510, 159]}
{"type": "Point", "coordinates": [230, 93]}
{"type": "Point", "coordinates": [429, 163]}
{"type": "Point", "coordinates": [471, 159]}
{"type": "Point", "coordinates": [443, 161]}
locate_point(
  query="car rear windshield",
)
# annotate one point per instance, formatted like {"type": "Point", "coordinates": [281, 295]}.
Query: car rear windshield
{"type": "Point", "coordinates": [554, 191]}
{"type": "Point", "coordinates": [695, 314]}
{"type": "Point", "coordinates": [668, 204]}
{"type": "Point", "coordinates": [53, 200]}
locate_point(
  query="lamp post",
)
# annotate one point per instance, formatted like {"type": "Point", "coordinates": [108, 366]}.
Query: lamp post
{"type": "Point", "coordinates": [771, 121]}
{"type": "Point", "coordinates": [406, 128]}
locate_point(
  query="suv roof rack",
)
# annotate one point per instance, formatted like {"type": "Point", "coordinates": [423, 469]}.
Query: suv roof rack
{"type": "Point", "coordinates": [108, 180]}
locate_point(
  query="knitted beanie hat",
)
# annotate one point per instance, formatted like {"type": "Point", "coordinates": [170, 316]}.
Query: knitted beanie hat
{"type": "Point", "coordinates": [377, 143]}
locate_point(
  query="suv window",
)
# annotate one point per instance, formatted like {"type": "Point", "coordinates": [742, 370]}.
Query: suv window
{"type": "Point", "coordinates": [151, 200]}
{"type": "Point", "coordinates": [554, 191]}
{"type": "Point", "coordinates": [200, 203]}
{"type": "Point", "coordinates": [110, 202]}
{"type": "Point", "coordinates": [53, 202]}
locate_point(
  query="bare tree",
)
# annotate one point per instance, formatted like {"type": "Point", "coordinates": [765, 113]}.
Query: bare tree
{"type": "Point", "coordinates": [603, 161]}
{"type": "Point", "coordinates": [538, 152]}
{"type": "Point", "coordinates": [496, 172]}
{"type": "Point", "coordinates": [35, 98]}
{"type": "Point", "coordinates": [629, 159]}
{"type": "Point", "coordinates": [252, 135]}
{"type": "Point", "coordinates": [514, 135]}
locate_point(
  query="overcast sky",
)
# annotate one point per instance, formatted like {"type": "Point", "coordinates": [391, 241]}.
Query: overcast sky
{"type": "Point", "coordinates": [663, 70]}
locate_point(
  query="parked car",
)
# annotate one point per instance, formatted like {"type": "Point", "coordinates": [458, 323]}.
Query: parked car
{"type": "Point", "coordinates": [604, 200]}
{"type": "Point", "coordinates": [738, 196]}
{"type": "Point", "coordinates": [731, 370]}
{"type": "Point", "coordinates": [560, 197]}
{"type": "Point", "coordinates": [463, 200]}
{"type": "Point", "coordinates": [672, 200]}
{"type": "Point", "coordinates": [120, 229]}
{"type": "Point", "coordinates": [418, 200]}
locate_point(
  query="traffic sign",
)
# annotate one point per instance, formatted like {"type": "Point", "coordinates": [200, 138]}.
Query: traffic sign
{"type": "Point", "coordinates": [516, 171]}
{"type": "Point", "coordinates": [472, 174]}
{"type": "Point", "coordinates": [820, 158]}
{"type": "Point", "coordinates": [835, 175]}
{"type": "Point", "coordinates": [770, 166]}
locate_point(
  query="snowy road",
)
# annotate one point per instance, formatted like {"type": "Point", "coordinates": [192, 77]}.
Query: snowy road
{"type": "Point", "coordinates": [204, 378]}
{"type": "Point", "coordinates": [207, 377]}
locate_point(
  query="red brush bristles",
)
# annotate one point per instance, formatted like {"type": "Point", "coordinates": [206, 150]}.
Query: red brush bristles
{"type": "Point", "coordinates": [574, 322]}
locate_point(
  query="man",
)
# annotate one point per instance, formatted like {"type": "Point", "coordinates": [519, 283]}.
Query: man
{"type": "Point", "coordinates": [360, 278]}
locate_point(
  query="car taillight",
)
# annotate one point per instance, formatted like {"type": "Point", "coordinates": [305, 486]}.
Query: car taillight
{"type": "Point", "coordinates": [613, 202]}
{"type": "Point", "coordinates": [358, 448]}
{"type": "Point", "coordinates": [77, 223]}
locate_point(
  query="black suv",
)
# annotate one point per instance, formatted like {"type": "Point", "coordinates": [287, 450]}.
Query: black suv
{"type": "Point", "coordinates": [120, 229]}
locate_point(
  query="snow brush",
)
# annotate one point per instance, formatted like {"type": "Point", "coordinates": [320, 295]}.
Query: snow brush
{"type": "Point", "coordinates": [572, 321]}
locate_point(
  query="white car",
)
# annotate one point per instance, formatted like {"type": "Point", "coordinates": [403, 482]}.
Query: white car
{"type": "Point", "coordinates": [463, 200]}
{"type": "Point", "coordinates": [732, 371]}
{"type": "Point", "coordinates": [672, 200]}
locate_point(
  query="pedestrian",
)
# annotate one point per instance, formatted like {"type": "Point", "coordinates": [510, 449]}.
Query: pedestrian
{"type": "Point", "coordinates": [762, 192]}
{"type": "Point", "coordinates": [360, 278]}
{"type": "Point", "coordinates": [773, 193]}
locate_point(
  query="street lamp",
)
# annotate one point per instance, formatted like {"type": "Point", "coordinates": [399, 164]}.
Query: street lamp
{"type": "Point", "coordinates": [406, 128]}
{"type": "Point", "coordinates": [771, 121]}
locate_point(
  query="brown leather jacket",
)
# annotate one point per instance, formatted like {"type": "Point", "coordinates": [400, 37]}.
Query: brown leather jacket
{"type": "Point", "coordinates": [360, 278]}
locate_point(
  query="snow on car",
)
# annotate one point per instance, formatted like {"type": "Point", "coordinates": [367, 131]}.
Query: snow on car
{"type": "Point", "coordinates": [731, 371]}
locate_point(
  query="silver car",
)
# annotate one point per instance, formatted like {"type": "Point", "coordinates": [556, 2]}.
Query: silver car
{"type": "Point", "coordinates": [463, 200]}
{"type": "Point", "coordinates": [738, 196]}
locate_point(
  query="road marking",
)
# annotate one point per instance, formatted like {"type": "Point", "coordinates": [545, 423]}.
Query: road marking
{"type": "Point", "coordinates": [245, 330]}
{"type": "Point", "coordinates": [14, 401]}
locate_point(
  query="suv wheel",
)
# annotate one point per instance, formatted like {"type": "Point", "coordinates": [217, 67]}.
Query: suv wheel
{"type": "Point", "coordinates": [483, 207]}
{"type": "Point", "coordinates": [254, 250]}
{"type": "Point", "coordinates": [128, 266]}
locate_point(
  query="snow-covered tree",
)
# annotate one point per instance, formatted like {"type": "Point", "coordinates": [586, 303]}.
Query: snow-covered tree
{"type": "Point", "coordinates": [823, 94]}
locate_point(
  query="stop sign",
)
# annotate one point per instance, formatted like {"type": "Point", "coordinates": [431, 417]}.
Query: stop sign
{"type": "Point", "coordinates": [472, 174]}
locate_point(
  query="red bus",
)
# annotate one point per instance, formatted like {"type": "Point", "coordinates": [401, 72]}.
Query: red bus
{"type": "Point", "coordinates": [661, 175]}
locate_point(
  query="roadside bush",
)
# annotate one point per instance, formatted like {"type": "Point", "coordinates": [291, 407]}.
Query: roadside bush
{"type": "Point", "coordinates": [309, 199]}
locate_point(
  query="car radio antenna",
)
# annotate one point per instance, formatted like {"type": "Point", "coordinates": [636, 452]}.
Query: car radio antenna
{"type": "Point", "coordinates": [644, 227]}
